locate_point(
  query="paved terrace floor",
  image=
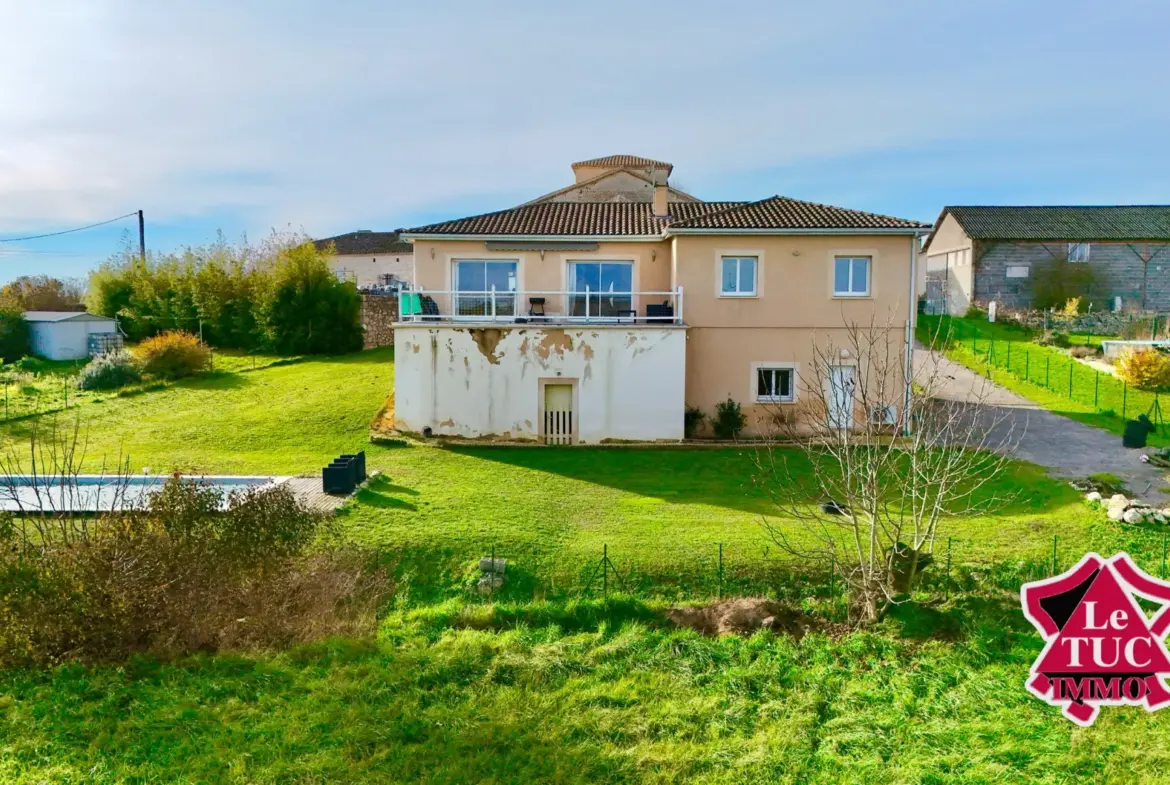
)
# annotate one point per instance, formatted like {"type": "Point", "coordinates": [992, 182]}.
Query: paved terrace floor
{"type": "Point", "coordinates": [1065, 447]}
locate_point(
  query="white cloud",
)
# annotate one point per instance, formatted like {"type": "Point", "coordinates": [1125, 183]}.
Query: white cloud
{"type": "Point", "coordinates": [329, 115]}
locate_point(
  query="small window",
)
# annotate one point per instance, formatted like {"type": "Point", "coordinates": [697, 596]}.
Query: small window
{"type": "Point", "coordinates": [1017, 271]}
{"type": "Point", "coordinates": [738, 276]}
{"type": "Point", "coordinates": [851, 276]}
{"type": "Point", "coordinates": [1078, 252]}
{"type": "Point", "coordinates": [775, 385]}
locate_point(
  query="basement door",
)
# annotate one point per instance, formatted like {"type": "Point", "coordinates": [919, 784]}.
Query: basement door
{"type": "Point", "coordinates": [558, 414]}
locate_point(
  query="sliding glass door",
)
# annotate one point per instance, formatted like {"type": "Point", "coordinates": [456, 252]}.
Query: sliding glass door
{"type": "Point", "coordinates": [474, 280]}
{"type": "Point", "coordinates": [609, 284]}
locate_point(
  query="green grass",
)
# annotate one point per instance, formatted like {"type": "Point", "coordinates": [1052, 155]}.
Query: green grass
{"type": "Point", "coordinates": [584, 694]}
{"type": "Point", "coordinates": [1045, 375]}
{"type": "Point", "coordinates": [283, 419]}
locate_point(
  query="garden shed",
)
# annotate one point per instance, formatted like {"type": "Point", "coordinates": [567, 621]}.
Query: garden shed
{"type": "Point", "coordinates": [71, 335]}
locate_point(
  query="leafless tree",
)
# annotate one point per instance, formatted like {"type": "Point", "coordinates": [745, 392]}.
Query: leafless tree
{"type": "Point", "coordinates": [875, 467]}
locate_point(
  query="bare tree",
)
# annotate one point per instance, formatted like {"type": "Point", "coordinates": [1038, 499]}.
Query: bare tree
{"type": "Point", "coordinates": [876, 466]}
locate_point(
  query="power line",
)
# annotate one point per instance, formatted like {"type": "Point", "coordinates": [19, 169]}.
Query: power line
{"type": "Point", "coordinates": [67, 231]}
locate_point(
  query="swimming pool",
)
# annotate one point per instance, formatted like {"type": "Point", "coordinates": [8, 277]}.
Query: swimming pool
{"type": "Point", "coordinates": [87, 493]}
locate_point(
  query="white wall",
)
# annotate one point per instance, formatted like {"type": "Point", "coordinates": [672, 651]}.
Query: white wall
{"type": "Point", "coordinates": [68, 340]}
{"type": "Point", "coordinates": [366, 269]}
{"type": "Point", "coordinates": [475, 382]}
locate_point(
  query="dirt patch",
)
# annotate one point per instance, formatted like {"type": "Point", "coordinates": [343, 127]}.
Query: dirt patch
{"type": "Point", "coordinates": [745, 615]}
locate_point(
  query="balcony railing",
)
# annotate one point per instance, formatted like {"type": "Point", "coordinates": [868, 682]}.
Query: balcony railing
{"type": "Point", "coordinates": [547, 307]}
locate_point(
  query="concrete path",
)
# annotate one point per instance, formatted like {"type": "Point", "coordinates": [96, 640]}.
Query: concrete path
{"type": "Point", "coordinates": [1065, 447]}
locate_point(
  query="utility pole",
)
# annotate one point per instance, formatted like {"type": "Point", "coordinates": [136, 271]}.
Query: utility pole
{"type": "Point", "coordinates": [141, 237]}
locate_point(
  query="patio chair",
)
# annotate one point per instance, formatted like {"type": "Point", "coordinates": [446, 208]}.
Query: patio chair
{"type": "Point", "coordinates": [536, 306]}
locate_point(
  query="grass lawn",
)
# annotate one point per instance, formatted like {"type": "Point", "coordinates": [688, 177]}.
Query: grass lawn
{"type": "Point", "coordinates": [284, 419]}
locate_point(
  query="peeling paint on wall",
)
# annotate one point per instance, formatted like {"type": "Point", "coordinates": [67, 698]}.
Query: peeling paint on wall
{"type": "Point", "coordinates": [488, 340]}
{"type": "Point", "coordinates": [557, 341]}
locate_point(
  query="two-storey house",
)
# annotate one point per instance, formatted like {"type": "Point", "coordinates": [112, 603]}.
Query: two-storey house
{"type": "Point", "coordinates": [568, 320]}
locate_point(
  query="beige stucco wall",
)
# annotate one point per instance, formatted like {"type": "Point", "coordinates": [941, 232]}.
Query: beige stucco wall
{"type": "Point", "coordinates": [366, 269]}
{"type": "Point", "coordinates": [543, 272]}
{"type": "Point", "coordinates": [951, 239]}
{"type": "Point", "coordinates": [730, 337]}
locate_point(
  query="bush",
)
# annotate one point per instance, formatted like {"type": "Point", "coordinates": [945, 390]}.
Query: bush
{"type": "Point", "coordinates": [173, 355]}
{"type": "Point", "coordinates": [1053, 338]}
{"type": "Point", "coordinates": [14, 336]}
{"type": "Point", "coordinates": [692, 419]}
{"type": "Point", "coordinates": [729, 419]}
{"type": "Point", "coordinates": [183, 576]}
{"type": "Point", "coordinates": [310, 311]}
{"type": "Point", "coordinates": [109, 372]}
{"type": "Point", "coordinates": [1058, 282]}
{"type": "Point", "coordinates": [1146, 368]}
{"type": "Point", "coordinates": [975, 312]}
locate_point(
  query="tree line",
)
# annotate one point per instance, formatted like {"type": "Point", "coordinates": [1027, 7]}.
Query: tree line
{"type": "Point", "coordinates": [279, 296]}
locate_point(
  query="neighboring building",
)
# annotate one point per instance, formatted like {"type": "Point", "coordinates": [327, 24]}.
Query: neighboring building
{"type": "Point", "coordinates": [979, 254]}
{"type": "Point", "coordinates": [71, 335]}
{"type": "Point", "coordinates": [587, 321]}
{"type": "Point", "coordinates": [370, 259]}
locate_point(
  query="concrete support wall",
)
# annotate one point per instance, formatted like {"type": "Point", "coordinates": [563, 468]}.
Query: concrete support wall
{"type": "Point", "coordinates": [477, 382]}
{"type": "Point", "coordinates": [379, 313]}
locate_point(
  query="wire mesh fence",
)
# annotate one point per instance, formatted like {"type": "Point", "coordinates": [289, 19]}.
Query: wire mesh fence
{"type": "Point", "coordinates": [1055, 372]}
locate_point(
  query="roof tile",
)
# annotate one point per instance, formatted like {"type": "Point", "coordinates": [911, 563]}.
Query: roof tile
{"type": "Point", "coordinates": [366, 243]}
{"type": "Point", "coordinates": [1101, 223]}
{"type": "Point", "coordinates": [618, 161]}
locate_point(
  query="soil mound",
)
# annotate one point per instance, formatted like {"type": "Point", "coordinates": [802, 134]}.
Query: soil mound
{"type": "Point", "coordinates": [745, 615]}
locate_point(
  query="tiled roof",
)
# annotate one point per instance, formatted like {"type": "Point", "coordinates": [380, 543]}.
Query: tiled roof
{"type": "Point", "coordinates": [674, 192]}
{"type": "Point", "coordinates": [568, 219]}
{"type": "Point", "coordinates": [1119, 223]}
{"type": "Point", "coordinates": [780, 212]}
{"type": "Point", "coordinates": [561, 219]}
{"type": "Point", "coordinates": [366, 243]}
{"type": "Point", "coordinates": [617, 161]}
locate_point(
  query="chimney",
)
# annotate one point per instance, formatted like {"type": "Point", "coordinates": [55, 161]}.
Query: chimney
{"type": "Point", "coordinates": [661, 196]}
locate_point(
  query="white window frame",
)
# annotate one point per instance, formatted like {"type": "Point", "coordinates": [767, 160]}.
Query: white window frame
{"type": "Point", "coordinates": [868, 275]}
{"type": "Point", "coordinates": [1016, 271]}
{"type": "Point", "coordinates": [739, 291]}
{"type": "Point", "coordinates": [759, 397]}
{"type": "Point", "coordinates": [1078, 253]}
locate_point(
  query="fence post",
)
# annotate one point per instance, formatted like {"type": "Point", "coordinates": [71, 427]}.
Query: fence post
{"type": "Point", "coordinates": [1054, 554]}
{"type": "Point", "coordinates": [1162, 574]}
{"type": "Point", "coordinates": [1071, 365]}
{"type": "Point", "coordinates": [720, 571]}
{"type": "Point", "coordinates": [1124, 396]}
{"type": "Point", "coordinates": [605, 571]}
{"type": "Point", "coordinates": [1027, 365]}
{"type": "Point", "coordinates": [948, 584]}
{"type": "Point", "coordinates": [1047, 367]}
{"type": "Point", "coordinates": [832, 578]}
{"type": "Point", "coordinates": [492, 577]}
{"type": "Point", "coordinates": [1096, 390]}
{"type": "Point", "coordinates": [1009, 355]}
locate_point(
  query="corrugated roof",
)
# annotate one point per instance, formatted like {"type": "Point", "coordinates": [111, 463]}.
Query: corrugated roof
{"type": "Point", "coordinates": [63, 316]}
{"type": "Point", "coordinates": [618, 161]}
{"type": "Point", "coordinates": [366, 243]}
{"type": "Point", "coordinates": [1101, 223]}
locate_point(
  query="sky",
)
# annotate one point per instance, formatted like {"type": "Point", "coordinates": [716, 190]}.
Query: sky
{"type": "Point", "coordinates": [245, 116]}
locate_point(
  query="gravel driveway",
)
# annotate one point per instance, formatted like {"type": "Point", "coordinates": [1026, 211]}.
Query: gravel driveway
{"type": "Point", "coordinates": [1066, 447]}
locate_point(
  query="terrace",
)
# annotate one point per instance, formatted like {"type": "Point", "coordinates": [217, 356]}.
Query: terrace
{"type": "Point", "coordinates": [559, 307]}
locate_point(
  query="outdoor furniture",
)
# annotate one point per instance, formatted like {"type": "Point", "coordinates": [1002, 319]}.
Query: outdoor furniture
{"type": "Point", "coordinates": [430, 308]}
{"type": "Point", "coordinates": [359, 459]}
{"type": "Point", "coordinates": [1136, 432]}
{"type": "Point", "coordinates": [536, 306]}
{"type": "Point", "coordinates": [659, 313]}
{"type": "Point", "coordinates": [344, 474]}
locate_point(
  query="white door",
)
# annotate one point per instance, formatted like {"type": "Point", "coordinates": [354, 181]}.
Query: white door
{"type": "Point", "coordinates": [840, 396]}
{"type": "Point", "coordinates": [558, 414]}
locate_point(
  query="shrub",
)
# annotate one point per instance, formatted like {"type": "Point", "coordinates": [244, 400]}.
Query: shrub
{"type": "Point", "coordinates": [109, 372]}
{"type": "Point", "coordinates": [974, 312]}
{"type": "Point", "coordinates": [729, 419]}
{"type": "Point", "coordinates": [1053, 338]}
{"type": "Point", "coordinates": [310, 311]}
{"type": "Point", "coordinates": [182, 576]}
{"type": "Point", "coordinates": [173, 355]}
{"type": "Point", "coordinates": [1084, 352]}
{"type": "Point", "coordinates": [1074, 306]}
{"type": "Point", "coordinates": [1146, 368]}
{"type": "Point", "coordinates": [14, 336]}
{"type": "Point", "coordinates": [1058, 281]}
{"type": "Point", "coordinates": [692, 419]}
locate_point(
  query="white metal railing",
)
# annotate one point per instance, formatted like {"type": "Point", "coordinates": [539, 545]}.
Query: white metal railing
{"type": "Point", "coordinates": [550, 307]}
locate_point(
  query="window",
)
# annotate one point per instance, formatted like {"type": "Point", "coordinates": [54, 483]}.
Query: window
{"type": "Point", "coordinates": [1078, 252]}
{"type": "Point", "coordinates": [851, 276]}
{"type": "Point", "coordinates": [775, 385]}
{"type": "Point", "coordinates": [609, 284]}
{"type": "Point", "coordinates": [1017, 271]}
{"type": "Point", "coordinates": [474, 281]}
{"type": "Point", "coordinates": [738, 276]}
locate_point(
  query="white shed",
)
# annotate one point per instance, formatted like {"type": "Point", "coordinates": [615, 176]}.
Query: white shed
{"type": "Point", "coordinates": [71, 335]}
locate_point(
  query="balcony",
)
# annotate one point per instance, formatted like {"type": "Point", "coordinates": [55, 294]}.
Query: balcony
{"type": "Point", "coordinates": [542, 307]}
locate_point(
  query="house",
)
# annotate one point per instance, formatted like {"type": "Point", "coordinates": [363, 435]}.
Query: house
{"type": "Point", "coordinates": [572, 320]}
{"type": "Point", "coordinates": [71, 335]}
{"type": "Point", "coordinates": [980, 254]}
{"type": "Point", "coordinates": [370, 259]}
